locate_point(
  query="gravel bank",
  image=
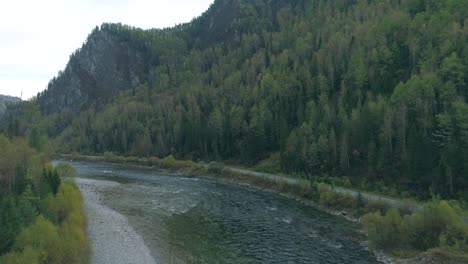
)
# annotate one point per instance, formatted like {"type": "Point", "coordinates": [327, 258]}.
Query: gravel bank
{"type": "Point", "coordinates": [112, 238]}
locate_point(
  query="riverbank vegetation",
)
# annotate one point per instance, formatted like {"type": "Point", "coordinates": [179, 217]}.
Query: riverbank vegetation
{"type": "Point", "coordinates": [41, 216]}
{"type": "Point", "coordinates": [436, 226]}
{"type": "Point", "coordinates": [405, 232]}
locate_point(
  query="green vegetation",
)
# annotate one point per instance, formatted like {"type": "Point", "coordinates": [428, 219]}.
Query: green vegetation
{"type": "Point", "coordinates": [371, 90]}
{"type": "Point", "coordinates": [437, 225]}
{"type": "Point", "coordinates": [168, 163]}
{"type": "Point", "coordinates": [370, 94]}
{"type": "Point", "coordinates": [65, 170]}
{"type": "Point", "coordinates": [272, 164]}
{"type": "Point", "coordinates": [59, 238]}
{"type": "Point", "coordinates": [41, 217]}
{"type": "Point", "coordinates": [402, 232]}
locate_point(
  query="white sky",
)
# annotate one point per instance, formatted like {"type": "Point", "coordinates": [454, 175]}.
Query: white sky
{"type": "Point", "coordinates": [37, 37]}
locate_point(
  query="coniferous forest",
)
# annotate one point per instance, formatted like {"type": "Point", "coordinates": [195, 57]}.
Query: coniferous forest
{"type": "Point", "coordinates": [371, 91]}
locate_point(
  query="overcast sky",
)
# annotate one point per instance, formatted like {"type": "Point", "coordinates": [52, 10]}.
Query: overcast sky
{"type": "Point", "coordinates": [37, 37]}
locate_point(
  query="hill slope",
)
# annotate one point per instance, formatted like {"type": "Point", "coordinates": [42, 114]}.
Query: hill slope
{"type": "Point", "coordinates": [372, 90]}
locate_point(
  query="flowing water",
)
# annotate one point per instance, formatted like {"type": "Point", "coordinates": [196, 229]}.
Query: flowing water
{"type": "Point", "coordinates": [199, 220]}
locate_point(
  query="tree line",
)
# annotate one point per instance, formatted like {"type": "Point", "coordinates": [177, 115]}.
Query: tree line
{"type": "Point", "coordinates": [41, 217]}
{"type": "Point", "coordinates": [372, 90]}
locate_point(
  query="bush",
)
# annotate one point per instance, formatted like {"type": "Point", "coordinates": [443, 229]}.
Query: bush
{"type": "Point", "coordinates": [67, 201]}
{"type": "Point", "coordinates": [215, 167]}
{"type": "Point", "coordinates": [154, 161]}
{"type": "Point", "coordinates": [75, 155]}
{"type": "Point", "coordinates": [65, 170]}
{"type": "Point", "coordinates": [386, 232]}
{"type": "Point", "coordinates": [43, 237]}
{"type": "Point", "coordinates": [330, 198]}
{"type": "Point", "coordinates": [437, 225]}
{"type": "Point", "coordinates": [28, 255]}
{"type": "Point", "coordinates": [59, 240]}
{"type": "Point", "coordinates": [438, 220]}
{"type": "Point", "coordinates": [271, 165]}
{"type": "Point", "coordinates": [108, 156]}
{"type": "Point", "coordinates": [375, 206]}
{"type": "Point", "coordinates": [169, 160]}
{"type": "Point", "coordinates": [305, 189]}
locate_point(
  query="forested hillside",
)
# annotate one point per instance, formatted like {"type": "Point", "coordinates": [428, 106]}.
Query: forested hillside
{"type": "Point", "coordinates": [372, 90]}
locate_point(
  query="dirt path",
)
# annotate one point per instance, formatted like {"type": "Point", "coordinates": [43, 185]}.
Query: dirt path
{"type": "Point", "coordinates": [366, 196]}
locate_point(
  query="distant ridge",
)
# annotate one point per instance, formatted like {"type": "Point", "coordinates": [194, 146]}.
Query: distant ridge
{"type": "Point", "coordinates": [9, 98]}
{"type": "Point", "coordinates": [5, 99]}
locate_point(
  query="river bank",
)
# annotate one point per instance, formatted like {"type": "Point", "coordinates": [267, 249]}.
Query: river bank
{"type": "Point", "coordinates": [204, 220]}
{"type": "Point", "coordinates": [300, 191]}
{"type": "Point", "coordinates": [113, 240]}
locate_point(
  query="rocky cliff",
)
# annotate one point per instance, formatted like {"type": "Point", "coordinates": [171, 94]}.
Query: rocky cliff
{"type": "Point", "coordinates": [4, 100]}
{"type": "Point", "coordinates": [116, 57]}
{"type": "Point", "coordinates": [106, 64]}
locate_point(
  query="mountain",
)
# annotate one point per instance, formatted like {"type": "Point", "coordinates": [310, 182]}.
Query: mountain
{"type": "Point", "coordinates": [106, 64]}
{"type": "Point", "coordinates": [371, 93]}
{"type": "Point", "coordinates": [117, 57]}
{"type": "Point", "coordinates": [5, 99]}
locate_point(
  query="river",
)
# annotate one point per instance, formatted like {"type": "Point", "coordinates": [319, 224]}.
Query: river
{"type": "Point", "coordinates": [200, 220]}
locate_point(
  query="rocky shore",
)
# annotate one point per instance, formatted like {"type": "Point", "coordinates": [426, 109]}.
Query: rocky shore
{"type": "Point", "coordinates": [112, 238]}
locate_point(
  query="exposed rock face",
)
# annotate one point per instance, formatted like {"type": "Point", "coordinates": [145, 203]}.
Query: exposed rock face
{"type": "Point", "coordinates": [4, 100]}
{"type": "Point", "coordinates": [113, 60]}
{"type": "Point", "coordinates": [105, 65]}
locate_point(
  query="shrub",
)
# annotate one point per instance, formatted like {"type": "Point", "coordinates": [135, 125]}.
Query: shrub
{"type": "Point", "coordinates": [62, 240]}
{"type": "Point", "coordinates": [65, 170]}
{"type": "Point", "coordinates": [75, 155]}
{"type": "Point", "coordinates": [305, 189]}
{"type": "Point", "coordinates": [43, 237]}
{"type": "Point", "coordinates": [154, 161]}
{"type": "Point", "coordinates": [435, 220]}
{"type": "Point", "coordinates": [28, 255]}
{"type": "Point", "coordinates": [330, 198]}
{"type": "Point", "coordinates": [386, 232]}
{"type": "Point", "coordinates": [271, 165]}
{"type": "Point", "coordinates": [215, 167]}
{"type": "Point", "coordinates": [108, 156]}
{"type": "Point", "coordinates": [169, 159]}
{"type": "Point", "coordinates": [375, 206]}
{"type": "Point", "coordinates": [437, 225]}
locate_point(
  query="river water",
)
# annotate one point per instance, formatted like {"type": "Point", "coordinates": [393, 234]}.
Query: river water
{"type": "Point", "coordinates": [199, 220]}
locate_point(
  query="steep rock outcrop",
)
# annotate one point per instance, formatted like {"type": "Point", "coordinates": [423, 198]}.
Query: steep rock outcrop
{"type": "Point", "coordinates": [106, 64]}
{"type": "Point", "coordinates": [4, 100]}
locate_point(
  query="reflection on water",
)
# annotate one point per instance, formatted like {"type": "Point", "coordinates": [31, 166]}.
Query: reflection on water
{"type": "Point", "coordinates": [196, 220]}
